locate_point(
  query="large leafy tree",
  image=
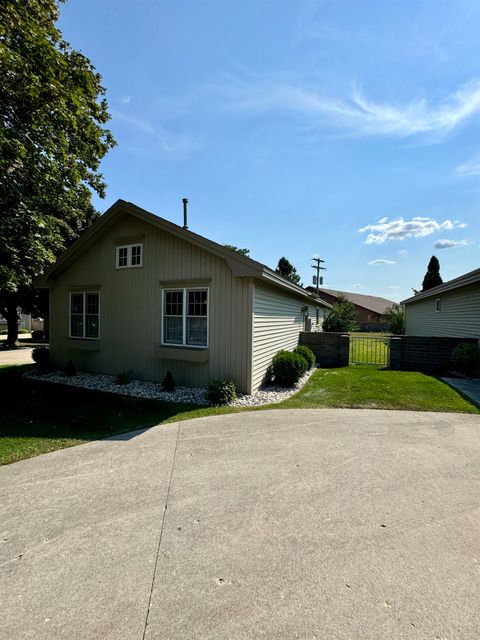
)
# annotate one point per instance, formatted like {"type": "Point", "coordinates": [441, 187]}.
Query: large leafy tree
{"type": "Point", "coordinates": [432, 277]}
{"type": "Point", "coordinates": [52, 139]}
{"type": "Point", "coordinates": [286, 269]}
{"type": "Point", "coordinates": [341, 317]}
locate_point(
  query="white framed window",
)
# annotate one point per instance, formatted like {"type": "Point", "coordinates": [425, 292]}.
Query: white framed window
{"type": "Point", "coordinates": [129, 255]}
{"type": "Point", "coordinates": [438, 305]}
{"type": "Point", "coordinates": [185, 317]}
{"type": "Point", "coordinates": [84, 315]}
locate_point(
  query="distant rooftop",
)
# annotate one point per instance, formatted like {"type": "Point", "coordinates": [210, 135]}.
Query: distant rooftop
{"type": "Point", "coordinates": [372, 303]}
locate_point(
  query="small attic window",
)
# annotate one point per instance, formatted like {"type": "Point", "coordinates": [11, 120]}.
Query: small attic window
{"type": "Point", "coordinates": [438, 305]}
{"type": "Point", "coordinates": [129, 256]}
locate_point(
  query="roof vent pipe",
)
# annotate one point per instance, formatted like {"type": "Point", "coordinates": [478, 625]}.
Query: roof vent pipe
{"type": "Point", "coordinates": [185, 203]}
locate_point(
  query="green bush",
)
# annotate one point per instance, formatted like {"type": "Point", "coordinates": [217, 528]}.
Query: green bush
{"type": "Point", "coordinates": [466, 358]}
{"type": "Point", "coordinates": [124, 377]}
{"type": "Point", "coordinates": [288, 368]}
{"type": "Point", "coordinates": [341, 317]}
{"type": "Point", "coordinates": [169, 383]}
{"type": "Point", "coordinates": [41, 356]}
{"type": "Point", "coordinates": [70, 370]}
{"type": "Point", "coordinates": [38, 335]}
{"type": "Point", "coordinates": [306, 353]}
{"type": "Point", "coordinates": [395, 319]}
{"type": "Point", "coordinates": [23, 331]}
{"type": "Point", "coordinates": [221, 392]}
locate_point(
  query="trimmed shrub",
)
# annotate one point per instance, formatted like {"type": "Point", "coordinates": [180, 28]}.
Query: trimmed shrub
{"type": "Point", "coordinates": [221, 392]}
{"type": "Point", "coordinates": [70, 370]}
{"type": "Point", "coordinates": [41, 357]}
{"type": "Point", "coordinates": [38, 335]}
{"type": "Point", "coordinates": [466, 358]}
{"type": "Point", "coordinates": [306, 353]}
{"type": "Point", "coordinates": [20, 331]}
{"type": "Point", "coordinates": [169, 383]}
{"type": "Point", "coordinates": [288, 368]}
{"type": "Point", "coordinates": [124, 377]}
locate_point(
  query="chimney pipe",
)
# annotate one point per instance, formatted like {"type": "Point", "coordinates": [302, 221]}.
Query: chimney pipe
{"type": "Point", "coordinates": [185, 203]}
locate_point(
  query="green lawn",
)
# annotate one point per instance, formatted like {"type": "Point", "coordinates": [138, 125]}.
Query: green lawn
{"type": "Point", "coordinates": [371, 388]}
{"type": "Point", "coordinates": [37, 417]}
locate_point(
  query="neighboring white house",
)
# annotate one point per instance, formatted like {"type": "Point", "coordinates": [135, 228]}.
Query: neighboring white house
{"type": "Point", "coordinates": [451, 309]}
{"type": "Point", "coordinates": [139, 292]}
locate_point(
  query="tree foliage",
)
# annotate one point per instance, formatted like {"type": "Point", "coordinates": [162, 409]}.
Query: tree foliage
{"type": "Point", "coordinates": [52, 139]}
{"type": "Point", "coordinates": [341, 317]}
{"type": "Point", "coordinates": [432, 277]}
{"type": "Point", "coordinates": [395, 319]}
{"type": "Point", "coordinates": [287, 270]}
{"type": "Point", "coordinates": [243, 252]}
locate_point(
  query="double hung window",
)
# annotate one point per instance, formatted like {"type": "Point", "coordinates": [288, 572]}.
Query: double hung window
{"type": "Point", "coordinates": [85, 315]}
{"type": "Point", "coordinates": [185, 317]}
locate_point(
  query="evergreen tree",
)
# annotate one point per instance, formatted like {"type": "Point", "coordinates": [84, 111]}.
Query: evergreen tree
{"type": "Point", "coordinates": [288, 271]}
{"type": "Point", "coordinates": [242, 252]}
{"type": "Point", "coordinates": [432, 277]}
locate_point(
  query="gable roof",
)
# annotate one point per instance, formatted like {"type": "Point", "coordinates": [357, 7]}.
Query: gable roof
{"type": "Point", "coordinates": [241, 265]}
{"type": "Point", "coordinates": [372, 303]}
{"type": "Point", "coordinates": [462, 281]}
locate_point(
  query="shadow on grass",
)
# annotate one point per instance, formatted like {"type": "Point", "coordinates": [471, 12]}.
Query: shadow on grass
{"type": "Point", "coordinates": [37, 416]}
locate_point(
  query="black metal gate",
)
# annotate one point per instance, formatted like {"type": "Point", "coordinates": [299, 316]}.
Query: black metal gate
{"type": "Point", "coordinates": [370, 350]}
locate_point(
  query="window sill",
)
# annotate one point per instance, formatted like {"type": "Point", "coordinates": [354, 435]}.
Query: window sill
{"type": "Point", "coordinates": [189, 354]}
{"type": "Point", "coordinates": [83, 344]}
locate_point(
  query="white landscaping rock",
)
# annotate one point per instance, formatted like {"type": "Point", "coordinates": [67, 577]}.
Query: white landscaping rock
{"type": "Point", "coordinates": [153, 390]}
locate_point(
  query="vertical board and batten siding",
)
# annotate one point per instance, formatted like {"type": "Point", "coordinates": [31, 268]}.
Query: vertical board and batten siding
{"type": "Point", "coordinates": [459, 316]}
{"type": "Point", "coordinates": [277, 322]}
{"type": "Point", "coordinates": [131, 307]}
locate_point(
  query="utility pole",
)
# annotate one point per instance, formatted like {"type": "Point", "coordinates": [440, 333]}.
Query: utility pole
{"type": "Point", "coordinates": [318, 268]}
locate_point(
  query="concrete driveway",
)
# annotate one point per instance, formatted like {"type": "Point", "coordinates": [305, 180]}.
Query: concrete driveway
{"type": "Point", "coordinates": [327, 524]}
{"type": "Point", "coordinates": [20, 355]}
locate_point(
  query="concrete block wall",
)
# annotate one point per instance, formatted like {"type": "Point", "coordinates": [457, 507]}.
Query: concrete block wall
{"type": "Point", "coordinates": [330, 349]}
{"type": "Point", "coordinates": [429, 354]}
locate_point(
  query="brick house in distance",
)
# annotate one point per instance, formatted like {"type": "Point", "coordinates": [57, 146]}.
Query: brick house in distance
{"type": "Point", "coordinates": [369, 309]}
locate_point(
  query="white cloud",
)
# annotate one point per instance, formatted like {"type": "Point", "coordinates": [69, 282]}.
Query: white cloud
{"type": "Point", "coordinates": [450, 244]}
{"type": "Point", "coordinates": [126, 99]}
{"type": "Point", "coordinates": [471, 168]}
{"type": "Point", "coordinates": [393, 286]}
{"type": "Point", "coordinates": [173, 145]}
{"type": "Point", "coordinates": [356, 113]}
{"type": "Point", "coordinates": [399, 229]}
{"type": "Point", "coordinates": [381, 261]}
{"type": "Point", "coordinates": [403, 252]}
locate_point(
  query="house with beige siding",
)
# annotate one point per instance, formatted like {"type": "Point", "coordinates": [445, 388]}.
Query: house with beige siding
{"type": "Point", "coordinates": [451, 309]}
{"type": "Point", "coordinates": [139, 292]}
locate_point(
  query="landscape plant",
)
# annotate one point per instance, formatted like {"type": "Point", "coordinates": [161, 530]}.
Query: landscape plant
{"type": "Point", "coordinates": [341, 317]}
{"type": "Point", "coordinates": [169, 383]}
{"type": "Point", "coordinates": [41, 357]}
{"type": "Point", "coordinates": [307, 354]}
{"type": "Point", "coordinates": [395, 319]}
{"type": "Point", "coordinates": [466, 359]}
{"type": "Point", "coordinates": [124, 377]}
{"type": "Point", "coordinates": [288, 368]}
{"type": "Point", "coordinates": [221, 392]}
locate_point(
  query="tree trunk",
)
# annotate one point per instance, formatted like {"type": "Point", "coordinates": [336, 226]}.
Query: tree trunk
{"type": "Point", "coordinates": [12, 326]}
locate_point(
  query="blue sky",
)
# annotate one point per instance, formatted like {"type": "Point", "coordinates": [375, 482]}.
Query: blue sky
{"type": "Point", "coordinates": [348, 130]}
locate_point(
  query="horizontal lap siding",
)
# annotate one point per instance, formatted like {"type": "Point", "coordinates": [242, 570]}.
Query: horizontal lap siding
{"type": "Point", "coordinates": [459, 315]}
{"type": "Point", "coordinates": [130, 309]}
{"type": "Point", "coordinates": [277, 322]}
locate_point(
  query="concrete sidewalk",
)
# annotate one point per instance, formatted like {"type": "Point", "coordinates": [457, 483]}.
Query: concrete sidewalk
{"type": "Point", "coordinates": [470, 387]}
{"type": "Point", "coordinates": [335, 524]}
